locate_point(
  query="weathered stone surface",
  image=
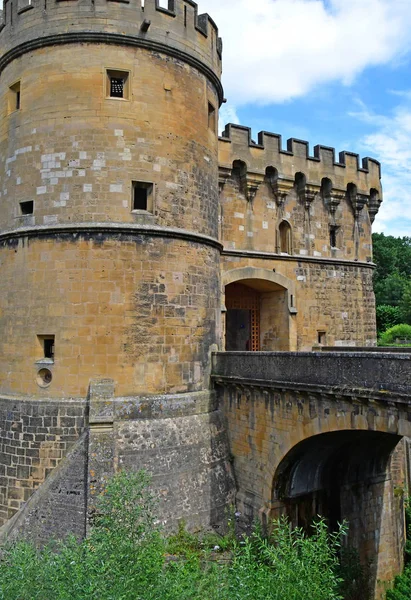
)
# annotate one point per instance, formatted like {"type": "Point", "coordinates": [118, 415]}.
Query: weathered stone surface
{"type": "Point", "coordinates": [135, 300]}
{"type": "Point", "coordinates": [321, 434]}
{"type": "Point", "coordinates": [58, 507]}
{"type": "Point", "coordinates": [34, 437]}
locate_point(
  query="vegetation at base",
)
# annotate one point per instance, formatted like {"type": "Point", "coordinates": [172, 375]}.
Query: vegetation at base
{"type": "Point", "coordinates": [126, 557]}
{"type": "Point", "coordinates": [392, 280]}
{"type": "Point", "coordinates": [402, 586]}
{"type": "Point", "coordinates": [398, 332]}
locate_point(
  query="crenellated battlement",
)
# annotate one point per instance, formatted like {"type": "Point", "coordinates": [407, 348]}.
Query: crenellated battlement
{"type": "Point", "coordinates": [236, 144]}
{"type": "Point", "coordinates": [174, 27]}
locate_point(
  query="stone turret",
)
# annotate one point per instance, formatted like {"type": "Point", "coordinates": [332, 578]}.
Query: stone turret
{"type": "Point", "coordinates": [108, 232]}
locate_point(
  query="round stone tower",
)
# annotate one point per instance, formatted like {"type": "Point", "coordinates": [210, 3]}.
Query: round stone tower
{"type": "Point", "coordinates": [108, 226]}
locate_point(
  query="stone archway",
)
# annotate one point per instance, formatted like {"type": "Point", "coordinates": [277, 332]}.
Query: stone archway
{"type": "Point", "coordinates": [346, 476]}
{"type": "Point", "coordinates": [259, 306]}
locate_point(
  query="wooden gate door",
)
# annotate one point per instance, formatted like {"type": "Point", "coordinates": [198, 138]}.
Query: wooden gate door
{"type": "Point", "coordinates": [241, 297]}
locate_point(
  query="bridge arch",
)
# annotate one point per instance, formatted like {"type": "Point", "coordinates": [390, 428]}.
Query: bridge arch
{"type": "Point", "coordinates": [307, 429]}
{"type": "Point", "coordinates": [259, 306]}
{"type": "Point", "coordinates": [346, 475]}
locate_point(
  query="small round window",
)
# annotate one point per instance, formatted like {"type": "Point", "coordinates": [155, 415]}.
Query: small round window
{"type": "Point", "coordinates": [44, 377]}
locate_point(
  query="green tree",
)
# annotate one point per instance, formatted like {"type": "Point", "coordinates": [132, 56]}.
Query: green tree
{"type": "Point", "coordinates": [405, 304]}
{"type": "Point", "coordinates": [390, 290]}
{"type": "Point", "coordinates": [387, 316]}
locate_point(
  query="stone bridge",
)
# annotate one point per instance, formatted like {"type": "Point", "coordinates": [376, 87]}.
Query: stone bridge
{"type": "Point", "coordinates": [322, 433]}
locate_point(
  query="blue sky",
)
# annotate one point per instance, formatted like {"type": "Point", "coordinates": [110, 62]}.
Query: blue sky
{"type": "Point", "coordinates": [333, 72]}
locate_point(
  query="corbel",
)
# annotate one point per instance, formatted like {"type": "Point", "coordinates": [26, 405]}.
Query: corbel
{"type": "Point", "coordinates": [224, 174]}
{"type": "Point", "coordinates": [373, 207]}
{"type": "Point", "coordinates": [281, 189]}
{"type": "Point", "coordinates": [252, 183]}
{"type": "Point", "coordinates": [308, 195]}
{"type": "Point", "coordinates": [358, 202]}
{"type": "Point", "coordinates": [334, 200]}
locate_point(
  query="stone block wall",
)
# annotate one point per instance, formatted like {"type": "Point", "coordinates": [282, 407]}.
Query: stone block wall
{"type": "Point", "coordinates": [34, 438]}
{"type": "Point", "coordinates": [58, 507]}
{"type": "Point", "coordinates": [180, 440]}
{"type": "Point", "coordinates": [337, 299]}
{"type": "Point", "coordinates": [140, 310]}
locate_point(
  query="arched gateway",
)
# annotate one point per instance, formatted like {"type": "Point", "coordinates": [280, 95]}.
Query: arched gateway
{"type": "Point", "coordinates": [259, 305]}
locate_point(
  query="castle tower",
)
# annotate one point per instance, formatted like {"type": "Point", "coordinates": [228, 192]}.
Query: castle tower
{"type": "Point", "coordinates": [109, 255]}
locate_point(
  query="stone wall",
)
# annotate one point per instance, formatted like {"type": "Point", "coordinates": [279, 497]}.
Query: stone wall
{"type": "Point", "coordinates": [321, 433]}
{"type": "Point", "coordinates": [34, 438]}
{"type": "Point", "coordinates": [141, 310]}
{"type": "Point", "coordinates": [180, 440]}
{"type": "Point", "coordinates": [58, 507]}
{"type": "Point", "coordinates": [334, 298]}
{"type": "Point", "coordinates": [371, 373]}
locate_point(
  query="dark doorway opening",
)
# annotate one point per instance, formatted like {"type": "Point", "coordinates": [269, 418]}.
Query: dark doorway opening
{"type": "Point", "coordinates": [243, 318]}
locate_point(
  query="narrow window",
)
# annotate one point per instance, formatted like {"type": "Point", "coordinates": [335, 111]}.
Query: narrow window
{"type": "Point", "coordinates": [27, 208]}
{"type": "Point", "coordinates": [211, 117]}
{"type": "Point", "coordinates": [285, 238]}
{"type": "Point", "coordinates": [47, 345]}
{"type": "Point", "coordinates": [333, 237]}
{"type": "Point", "coordinates": [185, 15]}
{"type": "Point", "coordinates": [142, 196]}
{"type": "Point", "coordinates": [322, 338]}
{"type": "Point", "coordinates": [14, 97]}
{"type": "Point", "coordinates": [117, 84]}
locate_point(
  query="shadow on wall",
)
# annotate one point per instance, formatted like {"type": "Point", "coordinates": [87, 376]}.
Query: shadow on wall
{"type": "Point", "coordinates": [345, 475]}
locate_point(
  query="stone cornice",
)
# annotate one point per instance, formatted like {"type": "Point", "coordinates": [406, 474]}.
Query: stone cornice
{"type": "Point", "coordinates": [109, 229]}
{"type": "Point", "coordinates": [96, 37]}
{"type": "Point", "coordinates": [297, 258]}
{"type": "Point", "coordinates": [360, 394]}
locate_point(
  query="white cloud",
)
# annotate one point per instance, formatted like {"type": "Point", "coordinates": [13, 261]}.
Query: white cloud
{"type": "Point", "coordinates": [227, 114]}
{"type": "Point", "coordinates": [390, 143]}
{"type": "Point", "coordinates": [276, 50]}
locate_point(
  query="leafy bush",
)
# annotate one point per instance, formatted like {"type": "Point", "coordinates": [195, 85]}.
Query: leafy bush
{"type": "Point", "coordinates": [402, 587]}
{"type": "Point", "coordinates": [126, 558]}
{"type": "Point", "coordinates": [387, 316]}
{"type": "Point", "coordinates": [405, 304]}
{"type": "Point", "coordinates": [400, 332]}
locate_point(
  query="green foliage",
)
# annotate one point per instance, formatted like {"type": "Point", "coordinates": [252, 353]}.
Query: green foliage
{"type": "Point", "coordinates": [126, 558]}
{"type": "Point", "coordinates": [391, 255]}
{"type": "Point", "coordinates": [387, 316]}
{"type": "Point", "coordinates": [400, 332]}
{"type": "Point", "coordinates": [405, 304]}
{"type": "Point", "coordinates": [390, 290]}
{"type": "Point", "coordinates": [392, 280]}
{"type": "Point", "coordinates": [402, 587]}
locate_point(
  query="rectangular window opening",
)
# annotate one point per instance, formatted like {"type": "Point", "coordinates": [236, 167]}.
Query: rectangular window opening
{"type": "Point", "coordinates": [212, 122]}
{"type": "Point", "coordinates": [333, 237]}
{"type": "Point", "coordinates": [322, 338]}
{"type": "Point", "coordinates": [47, 345]}
{"type": "Point", "coordinates": [117, 84]}
{"type": "Point", "coordinates": [27, 208]}
{"type": "Point", "coordinates": [142, 196]}
{"type": "Point", "coordinates": [14, 97]}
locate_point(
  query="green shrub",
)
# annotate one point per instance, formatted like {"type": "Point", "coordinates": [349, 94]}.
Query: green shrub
{"type": "Point", "coordinates": [387, 316]}
{"type": "Point", "coordinates": [126, 558]}
{"type": "Point", "coordinates": [400, 332]}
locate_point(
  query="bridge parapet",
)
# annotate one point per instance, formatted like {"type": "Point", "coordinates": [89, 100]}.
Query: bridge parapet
{"type": "Point", "coordinates": [341, 372]}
